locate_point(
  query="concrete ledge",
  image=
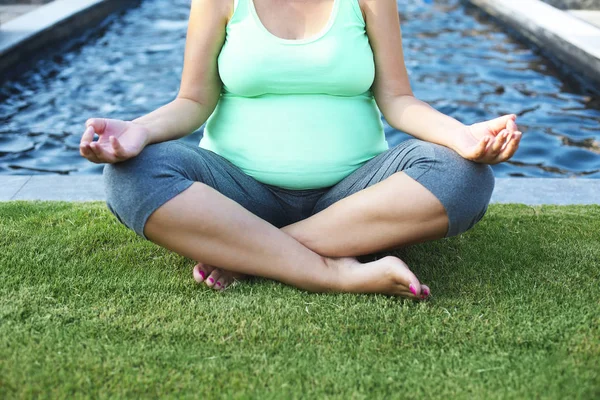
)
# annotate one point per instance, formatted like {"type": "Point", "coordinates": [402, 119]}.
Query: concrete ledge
{"type": "Point", "coordinates": [571, 40]}
{"type": "Point", "coordinates": [531, 191]}
{"type": "Point", "coordinates": [591, 17]}
{"type": "Point", "coordinates": [537, 191]}
{"type": "Point", "coordinates": [22, 38]}
{"type": "Point", "coordinates": [52, 187]}
{"type": "Point", "coordinates": [10, 185]}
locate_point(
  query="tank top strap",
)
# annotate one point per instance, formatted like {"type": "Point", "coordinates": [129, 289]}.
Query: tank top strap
{"type": "Point", "coordinates": [356, 8]}
{"type": "Point", "coordinates": [240, 11]}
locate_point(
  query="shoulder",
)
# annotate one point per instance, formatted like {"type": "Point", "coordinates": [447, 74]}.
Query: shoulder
{"type": "Point", "coordinates": [373, 8]}
{"type": "Point", "coordinates": [220, 10]}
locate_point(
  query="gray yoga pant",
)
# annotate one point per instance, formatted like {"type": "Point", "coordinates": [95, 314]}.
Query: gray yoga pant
{"type": "Point", "coordinates": [136, 187]}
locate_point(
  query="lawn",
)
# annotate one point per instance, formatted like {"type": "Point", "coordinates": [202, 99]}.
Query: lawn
{"type": "Point", "coordinates": [88, 309]}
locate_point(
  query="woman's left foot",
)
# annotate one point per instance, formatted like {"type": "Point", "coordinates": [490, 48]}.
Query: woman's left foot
{"type": "Point", "coordinates": [216, 278]}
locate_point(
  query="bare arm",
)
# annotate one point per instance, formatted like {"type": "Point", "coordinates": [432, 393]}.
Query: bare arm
{"type": "Point", "coordinates": [200, 84]}
{"type": "Point", "coordinates": [487, 142]}
{"type": "Point", "coordinates": [391, 88]}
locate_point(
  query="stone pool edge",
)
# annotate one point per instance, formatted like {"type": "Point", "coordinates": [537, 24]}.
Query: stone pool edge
{"type": "Point", "coordinates": [570, 40]}
{"type": "Point", "coordinates": [530, 191]}
{"type": "Point", "coordinates": [22, 38]}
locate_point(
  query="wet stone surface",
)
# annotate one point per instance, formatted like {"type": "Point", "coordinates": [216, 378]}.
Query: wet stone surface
{"type": "Point", "coordinates": [460, 62]}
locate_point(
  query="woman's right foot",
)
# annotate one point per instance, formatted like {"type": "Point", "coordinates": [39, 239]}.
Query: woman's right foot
{"type": "Point", "coordinates": [388, 275]}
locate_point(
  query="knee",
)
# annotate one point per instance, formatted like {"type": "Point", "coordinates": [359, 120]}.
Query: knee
{"type": "Point", "coordinates": [468, 189]}
{"type": "Point", "coordinates": [119, 178]}
{"type": "Point", "coordinates": [127, 184]}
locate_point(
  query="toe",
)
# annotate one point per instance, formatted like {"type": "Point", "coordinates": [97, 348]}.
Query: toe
{"type": "Point", "coordinates": [221, 282]}
{"type": "Point", "coordinates": [405, 277]}
{"type": "Point", "coordinates": [201, 271]}
{"type": "Point", "coordinates": [425, 292]}
{"type": "Point", "coordinates": [213, 277]}
{"type": "Point", "coordinates": [228, 279]}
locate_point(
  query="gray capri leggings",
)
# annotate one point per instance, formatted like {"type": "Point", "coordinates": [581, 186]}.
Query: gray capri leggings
{"type": "Point", "coordinates": [135, 188]}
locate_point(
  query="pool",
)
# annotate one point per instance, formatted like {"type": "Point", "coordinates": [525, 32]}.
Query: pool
{"type": "Point", "coordinates": [460, 62]}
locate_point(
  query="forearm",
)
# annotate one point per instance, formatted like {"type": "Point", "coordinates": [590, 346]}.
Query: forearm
{"type": "Point", "coordinates": [419, 119]}
{"type": "Point", "coordinates": [175, 120]}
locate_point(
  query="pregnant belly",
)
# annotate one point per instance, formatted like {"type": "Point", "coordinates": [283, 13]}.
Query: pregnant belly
{"type": "Point", "coordinates": [296, 141]}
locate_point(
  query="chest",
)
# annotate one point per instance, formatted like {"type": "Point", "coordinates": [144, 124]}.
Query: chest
{"type": "Point", "coordinates": [337, 60]}
{"type": "Point", "coordinates": [293, 20]}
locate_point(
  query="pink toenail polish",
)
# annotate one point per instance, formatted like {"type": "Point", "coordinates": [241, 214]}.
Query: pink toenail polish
{"type": "Point", "coordinates": [426, 292]}
{"type": "Point", "coordinates": [412, 289]}
{"type": "Point", "coordinates": [211, 280]}
{"type": "Point", "coordinates": [218, 284]}
{"type": "Point", "coordinates": [202, 274]}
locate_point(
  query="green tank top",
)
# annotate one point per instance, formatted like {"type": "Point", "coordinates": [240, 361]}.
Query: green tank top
{"type": "Point", "coordinates": [297, 114]}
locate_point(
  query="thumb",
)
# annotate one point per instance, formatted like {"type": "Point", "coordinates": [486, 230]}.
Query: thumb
{"type": "Point", "coordinates": [99, 124]}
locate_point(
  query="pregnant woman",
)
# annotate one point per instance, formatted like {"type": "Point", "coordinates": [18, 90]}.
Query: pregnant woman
{"type": "Point", "coordinates": [293, 178]}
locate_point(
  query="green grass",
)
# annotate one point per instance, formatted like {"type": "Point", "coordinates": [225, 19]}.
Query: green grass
{"type": "Point", "coordinates": [88, 309]}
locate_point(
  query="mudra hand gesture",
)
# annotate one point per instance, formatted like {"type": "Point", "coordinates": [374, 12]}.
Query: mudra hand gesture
{"type": "Point", "coordinates": [118, 140]}
{"type": "Point", "coordinates": [489, 142]}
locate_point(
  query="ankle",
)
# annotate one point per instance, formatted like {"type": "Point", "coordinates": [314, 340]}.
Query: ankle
{"type": "Point", "coordinates": [338, 275]}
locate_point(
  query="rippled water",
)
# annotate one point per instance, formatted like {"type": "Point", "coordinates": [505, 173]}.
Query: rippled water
{"type": "Point", "coordinates": [461, 63]}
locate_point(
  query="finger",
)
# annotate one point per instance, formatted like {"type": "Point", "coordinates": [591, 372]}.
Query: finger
{"type": "Point", "coordinates": [87, 152]}
{"type": "Point", "coordinates": [511, 148]}
{"type": "Point", "coordinates": [101, 153]}
{"type": "Point", "coordinates": [99, 124]}
{"type": "Point", "coordinates": [88, 136]}
{"type": "Point", "coordinates": [118, 149]}
{"type": "Point", "coordinates": [511, 126]}
{"type": "Point", "coordinates": [505, 145]}
{"type": "Point", "coordinates": [496, 125]}
{"type": "Point", "coordinates": [481, 147]}
{"type": "Point", "coordinates": [499, 142]}
{"type": "Point", "coordinates": [86, 139]}
{"type": "Point", "coordinates": [213, 277]}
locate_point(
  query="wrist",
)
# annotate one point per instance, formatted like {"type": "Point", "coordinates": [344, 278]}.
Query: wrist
{"type": "Point", "coordinates": [144, 130]}
{"type": "Point", "coordinates": [457, 136]}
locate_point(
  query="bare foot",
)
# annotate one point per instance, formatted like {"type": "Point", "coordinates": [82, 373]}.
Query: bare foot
{"type": "Point", "coordinates": [388, 275]}
{"type": "Point", "coordinates": [216, 278]}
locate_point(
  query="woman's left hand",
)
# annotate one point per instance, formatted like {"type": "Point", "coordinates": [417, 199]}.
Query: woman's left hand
{"type": "Point", "coordinates": [489, 142]}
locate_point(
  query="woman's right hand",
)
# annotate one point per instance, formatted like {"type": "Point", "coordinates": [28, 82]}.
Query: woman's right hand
{"type": "Point", "coordinates": [118, 140]}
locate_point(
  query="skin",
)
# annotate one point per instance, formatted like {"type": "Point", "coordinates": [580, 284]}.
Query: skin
{"type": "Point", "coordinates": [318, 253]}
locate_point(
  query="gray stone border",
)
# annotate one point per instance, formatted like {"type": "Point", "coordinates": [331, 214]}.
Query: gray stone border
{"type": "Point", "coordinates": [571, 40]}
{"type": "Point", "coordinates": [22, 38]}
{"type": "Point", "coordinates": [531, 191]}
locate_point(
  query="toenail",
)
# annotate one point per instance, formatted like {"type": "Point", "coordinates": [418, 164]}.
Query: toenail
{"type": "Point", "coordinates": [202, 274]}
{"type": "Point", "coordinates": [412, 289]}
{"type": "Point", "coordinates": [218, 284]}
{"type": "Point", "coordinates": [211, 280]}
{"type": "Point", "coordinates": [426, 292]}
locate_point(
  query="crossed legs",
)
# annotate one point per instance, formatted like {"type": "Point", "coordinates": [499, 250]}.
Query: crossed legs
{"type": "Point", "coordinates": [388, 207]}
{"type": "Point", "coordinates": [393, 213]}
{"type": "Point", "coordinates": [224, 234]}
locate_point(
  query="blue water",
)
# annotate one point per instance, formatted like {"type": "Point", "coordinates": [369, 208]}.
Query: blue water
{"type": "Point", "coordinates": [460, 62]}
